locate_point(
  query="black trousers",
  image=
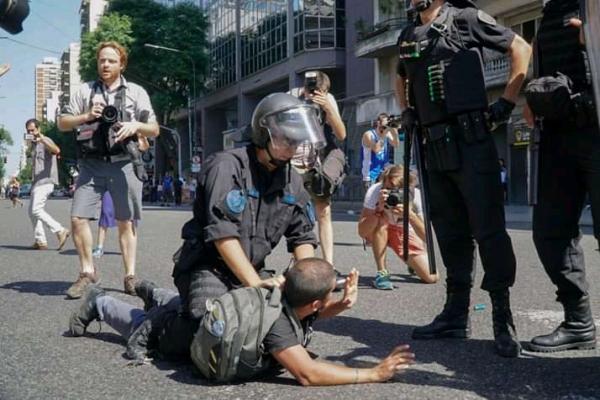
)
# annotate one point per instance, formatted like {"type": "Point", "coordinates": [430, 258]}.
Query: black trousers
{"type": "Point", "coordinates": [569, 170]}
{"type": "Point", "coordinates": [467, 206]}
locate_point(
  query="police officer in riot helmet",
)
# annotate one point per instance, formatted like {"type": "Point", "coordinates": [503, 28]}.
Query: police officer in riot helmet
{"type": "Point", "coordinates": [568, 171]}
{"type": "Point", "coordinates": [247, 199]}
{"type": "Point", "coordinates": [440, 88]}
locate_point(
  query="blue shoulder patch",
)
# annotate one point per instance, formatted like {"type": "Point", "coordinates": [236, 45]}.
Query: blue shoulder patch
{"type": "Point", "coordinates": [289, 199]}
{"type": "Point", "coordinates": [236, 201]}
{"type": "Point", "coordinates": [310, 211]}
{"type": "Point", "coordinates": [254, 193]}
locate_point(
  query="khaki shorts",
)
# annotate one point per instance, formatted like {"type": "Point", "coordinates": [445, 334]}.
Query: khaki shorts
{"type": "Point", "coordinates": [97, 177]}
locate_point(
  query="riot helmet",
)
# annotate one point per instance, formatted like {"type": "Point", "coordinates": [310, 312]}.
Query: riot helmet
{"type": "Point", "coordinates": [419, 6]}
{"type": "Point", "coordinates": [286, 121]}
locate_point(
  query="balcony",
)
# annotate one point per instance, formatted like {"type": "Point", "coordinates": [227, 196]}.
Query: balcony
{"type": "Point", "coordinates": [380, 39]}
{"type": "Point", "coordinates": [496, 71]}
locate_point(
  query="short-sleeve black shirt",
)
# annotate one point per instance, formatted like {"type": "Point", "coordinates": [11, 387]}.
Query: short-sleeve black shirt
{"type": "Point", "coordinates": [282, 336]}
{"type": "Point", "coordinates": [474, 27]}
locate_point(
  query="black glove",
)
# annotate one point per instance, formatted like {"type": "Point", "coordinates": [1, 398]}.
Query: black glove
{"type": "Point", "coordinates": [408, 118]}
{"type": "Point", "coordinates": [500, 111]}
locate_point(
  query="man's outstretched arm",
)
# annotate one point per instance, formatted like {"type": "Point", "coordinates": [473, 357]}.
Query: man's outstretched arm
{"type": "Point", "coordinates": [310, 372]}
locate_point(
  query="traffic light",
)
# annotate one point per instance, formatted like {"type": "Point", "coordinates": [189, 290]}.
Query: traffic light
{"type": "Point", "coordinates": [12, 15]}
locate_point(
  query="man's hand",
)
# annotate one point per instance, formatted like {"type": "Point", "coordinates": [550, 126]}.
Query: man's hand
{"type": "Point", "coordinates": [351, 289]}
{"type": "Point", "coordinates": [400, 358]}
{"type": "Point", "coordinates": [126, 130]}
{"type": "Point", "coordinates": [276, 281]}
{"type": "Point", "coordinates": [577, 23]}
{"type": "Point", "coordinates": [95, 112]}
{"type": "Point", "coordinates": [322, 100]}
{"type": "Point", "coordinates": [500, 111]}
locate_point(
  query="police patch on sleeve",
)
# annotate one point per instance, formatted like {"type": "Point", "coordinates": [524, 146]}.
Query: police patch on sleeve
{"type": "Point", "coordinates": [486, 18]}
{"type": "Point", "coordinates": [236, 201]}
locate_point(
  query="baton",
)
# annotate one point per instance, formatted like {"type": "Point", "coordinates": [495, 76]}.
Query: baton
{"type": "Point", "coordinates": [424, 202]}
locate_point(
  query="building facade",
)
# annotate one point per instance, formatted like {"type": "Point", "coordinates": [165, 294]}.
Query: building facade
{"type": "Point", "coordinates": [70, 78]}
{"type": "Point", "coordinates": [91, 11]}
{"type": "Point", "coordinates": [47, 80]}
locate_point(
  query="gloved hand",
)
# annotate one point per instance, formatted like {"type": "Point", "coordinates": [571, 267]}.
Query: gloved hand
{"type": "Point", "coordinates": [499, 112]}
{"type": "Point", "coordinates": [408, 118]}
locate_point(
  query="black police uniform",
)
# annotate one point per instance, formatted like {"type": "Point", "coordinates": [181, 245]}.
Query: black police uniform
{"type": "Point", "coordinates": [569, 170]}
{"type": "Point", "coordinates": [464, 187]}
{"type": "Point", "coordinates": [239, 198]}
{"type": "Point", "coordinates": [465, 191]}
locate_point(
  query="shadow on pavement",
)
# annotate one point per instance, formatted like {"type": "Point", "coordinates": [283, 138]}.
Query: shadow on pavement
{"type": "Point", "coordinates": [73, 252]}
{"type": "Point", "coordinates": [43, 288]}
{"type": "Point", "coordinates": [17, 247]}
{"type": "Point", "coordinates": [469, 365]}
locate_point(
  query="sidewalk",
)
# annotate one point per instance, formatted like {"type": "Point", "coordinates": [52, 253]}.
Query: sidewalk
{"type": "Point", "coordinates": [514, 213]}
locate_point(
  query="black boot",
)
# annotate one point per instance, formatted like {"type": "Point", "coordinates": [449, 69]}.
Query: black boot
{"type": "Point", "coordinates": [452, 322]}
{"type": "Point", "coordinates": [576, 332]}
{"type": "Point", "coordinates": [144, 290]}
{"type": "Point", "coordinates": [506, 343]}
{"type": "Point", "coordinates": [87, 312]}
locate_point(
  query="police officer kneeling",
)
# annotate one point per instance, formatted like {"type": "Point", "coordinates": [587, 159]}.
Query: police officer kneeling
{"type": "Point", "coordinates": [247, 199]}
{"type": "Point", "coordinates": [441, 59]}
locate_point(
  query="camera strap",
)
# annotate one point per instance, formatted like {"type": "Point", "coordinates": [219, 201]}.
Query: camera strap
{"type": "Point", "coordinates": [120, 96]}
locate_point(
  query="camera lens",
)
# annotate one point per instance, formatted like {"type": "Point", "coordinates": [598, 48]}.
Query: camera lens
{"type": "Point", "coordinates": [110, 114]}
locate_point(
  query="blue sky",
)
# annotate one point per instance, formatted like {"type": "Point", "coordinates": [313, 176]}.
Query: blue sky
{"type": "Point", "coordinates": [51, 25]}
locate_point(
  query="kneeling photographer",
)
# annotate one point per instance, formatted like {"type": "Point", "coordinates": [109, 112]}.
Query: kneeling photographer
{"type": "Point", "coordinates": [380, 224]}
{"type": "Point", "coordinates": [108, 115]}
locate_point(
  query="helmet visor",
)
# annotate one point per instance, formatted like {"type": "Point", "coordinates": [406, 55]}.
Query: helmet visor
{"type": "Point", "coordinates": [290, 127]}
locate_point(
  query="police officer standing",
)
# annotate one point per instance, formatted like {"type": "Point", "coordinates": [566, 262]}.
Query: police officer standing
{"type": "Point", "coordinates": [247, 199]}
{"type": "Point", "coordinates": [440, 84]}
{"type": "Point", "coordinates": [568, 171]}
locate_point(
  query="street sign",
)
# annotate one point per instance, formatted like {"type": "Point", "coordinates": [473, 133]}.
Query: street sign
{"type": "Point", "coordinates": [195, 168]}
{"type": "Point", "coordinates": [196, 160]}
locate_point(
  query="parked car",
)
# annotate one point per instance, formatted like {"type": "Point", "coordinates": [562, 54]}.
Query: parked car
{"type": "Point", "coordinates": [60, 192]}
{"type": "Point", "coordinates": [25, 190]}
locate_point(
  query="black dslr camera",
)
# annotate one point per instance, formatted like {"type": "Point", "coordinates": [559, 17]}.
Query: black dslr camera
{"type": "Point", "coordinates": [394, 121]}
{"type": "Point", "coordinates": [111, 118]}
{"type": "Point", "coordinates": [395, 197]}
{"type": "Point", "coordinates": [310, 82]}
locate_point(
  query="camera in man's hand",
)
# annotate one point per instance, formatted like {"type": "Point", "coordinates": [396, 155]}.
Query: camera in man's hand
{"type": "Point", "coordinates": [395, 197]}
{"type": "Point", "coordinates": [394, 121]}
{"type": "Point", "coordinates": [310, 82]}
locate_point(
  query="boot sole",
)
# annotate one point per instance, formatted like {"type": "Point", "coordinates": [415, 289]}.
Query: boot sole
{"type": "Point", "coordinates": [449, 334]}
{"type": "Point", "coordinates": [589, 345]}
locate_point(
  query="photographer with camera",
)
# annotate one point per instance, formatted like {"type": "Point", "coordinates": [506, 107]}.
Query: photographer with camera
{"type": "Point", "coordinates": [109, 114]}
{"type": "Point", "coordinates": [323, 171]}
{"type": "Point", "coordinates": [380, 224]}
{"type": "Point", "coordinates": [376, 146]}
{"type": "Point", "coordinates": [45, 175]}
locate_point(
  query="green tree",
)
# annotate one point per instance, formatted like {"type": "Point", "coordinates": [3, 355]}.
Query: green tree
{"type": "Point", "coordinates": [5, 140]}
{"type": "Point", "coordinates": [25, 174]}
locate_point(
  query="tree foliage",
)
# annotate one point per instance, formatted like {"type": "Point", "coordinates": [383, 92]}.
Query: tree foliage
{"type": "Point", "coordinates": [167, 76]}
{"type": "Point", "coordinates": [5, 140]}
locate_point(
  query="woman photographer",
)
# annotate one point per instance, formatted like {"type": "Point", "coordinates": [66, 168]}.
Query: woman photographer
{"type": "Point", "coordinates": [380, 224]}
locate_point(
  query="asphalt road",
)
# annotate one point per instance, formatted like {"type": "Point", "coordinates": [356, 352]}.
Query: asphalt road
{"type": "Point", "coordinates": [38, 359]}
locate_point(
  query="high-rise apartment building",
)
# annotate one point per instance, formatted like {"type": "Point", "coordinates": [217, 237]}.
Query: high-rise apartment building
{"type": "Point", "coordinates": [91, 11]}
{"type": "Point", "coordinates": [47, 80]}
{"type": "Point", "coordinates": [70, 72]}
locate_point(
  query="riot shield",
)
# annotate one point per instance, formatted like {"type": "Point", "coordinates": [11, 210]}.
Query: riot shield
{"type": "Point", "coordinates": [591, 27]}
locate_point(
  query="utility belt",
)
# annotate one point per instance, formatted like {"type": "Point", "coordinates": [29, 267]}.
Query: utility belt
{"type": "Point", "coordinates": [443, 150]}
